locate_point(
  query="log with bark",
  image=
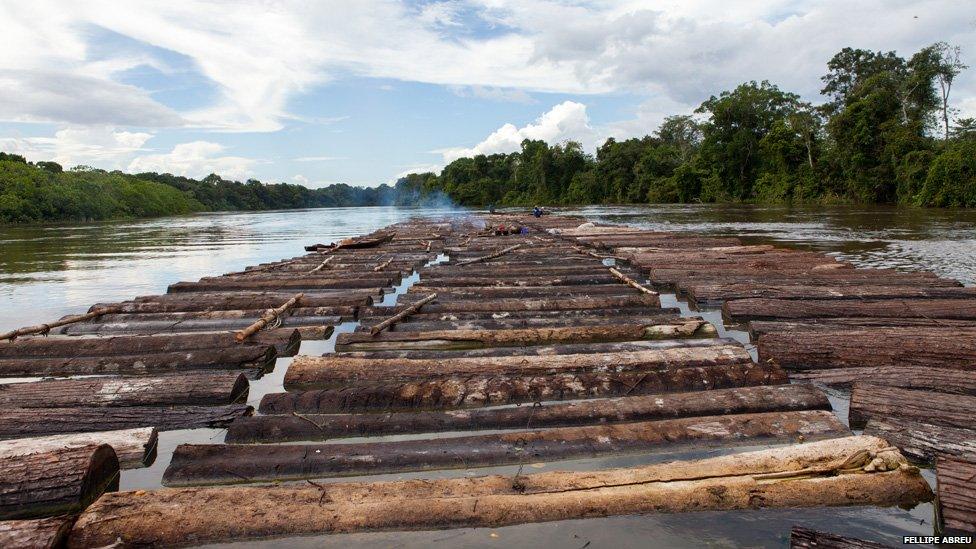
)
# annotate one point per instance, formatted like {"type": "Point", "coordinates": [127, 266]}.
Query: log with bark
{"type": "Point", "coordinates": [133, 447]}
{"type": "Point", "coordinates": [714, 294]}
{"type": "Point", "coordinates": [922, 442]}
{"type": "Point", "coordinates": [30, 422]}
{"type": "Point", "coordinates": [198, 464]}
{"type": "Point", "coordinates": [285, 340]}
{"type": "Point", "coordinates": [513, 273]}
{"type": "Point", "coordinates": [192, 325]}
{"type": "Point", "coordinates": [234, 301]}
{"type": "Point", "coordinates": [500, 306]}
{"type": "Point", "coordinates": [837, 277]}
{"type": "Point", "coordinates": [226, 358]}
{"type": "Point", "coordinates": [373, 313]}
{"type": "Point", "coordinates": [338, 370]}
{"type": "Point", "coordinates": [309, 426]}
{"type": "Point", "coordinates": [742, 310]}
{"type": "Point", "coordinates": [759, 328]}
{"type": "Point", "coordinates": [941, 380]}
{"type": "Point", "coordinates": [496, 280]}
{"type": "Point", "coordinates": [653, 317]}
{"type": "Point", "coordinates": [204, 515]}
{"type": "Point", "coordinates": [61, 481]}
{"type": "Point", "coordinates": [473, 339]}
{"type": "Point", "coordinates": [45, 533]}
{"type": "Point", "coordinates": [804, 538]}
{"type": "Point", "coordinates": [491, 293]}
{"type": "Point", "coordinates": [870, 401]}
{"type": "Point", "coordinates": [196, 388]}
{"type": "Point", "coordinates": [937, 347]}
{"type": "Point", "coordinates": [957, 492]}
{"type": "Point", "coordinates": [278, 284]}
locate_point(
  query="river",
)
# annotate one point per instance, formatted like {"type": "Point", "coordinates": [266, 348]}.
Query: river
{"type": "Point", "coordinates": [47, 271]}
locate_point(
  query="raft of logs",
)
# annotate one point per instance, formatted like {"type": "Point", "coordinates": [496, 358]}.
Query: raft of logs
{"type": "Point", "coordinates": [546, 344]}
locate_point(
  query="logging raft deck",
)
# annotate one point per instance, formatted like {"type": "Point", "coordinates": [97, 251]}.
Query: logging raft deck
{"type": "Point", "coordinates": [459, 348]}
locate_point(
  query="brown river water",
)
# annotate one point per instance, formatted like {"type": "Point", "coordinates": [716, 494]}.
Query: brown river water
{"type": "Point", "coordinates": [47, 271]}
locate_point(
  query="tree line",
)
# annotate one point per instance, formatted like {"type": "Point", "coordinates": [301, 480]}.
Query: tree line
{"type": "Point", "coordinates": [885, 133]}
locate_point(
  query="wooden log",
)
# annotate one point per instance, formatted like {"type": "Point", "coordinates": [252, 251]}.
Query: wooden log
{"type": "Point", "coordinates": [30, 422]}
{"type": "Point", "coordinates": [837, 277]}
{"type": "Point", "coordinates": [922, 442]}
{"type": "Point", "coordinates": [192, 325]}
{"type": "Point", "coordinates": [742, 310]}
{"type": "Point", "coordinates": [383, 265]}
{"type": "Point", "coordinates": [197, 464]}
{"type": "Point", "coordinates": [941, 380]}
{"type": "Point", "coordinates": [490, 293]}
{"type": "Point", "coordinates": [133, 447]}
{"type": "Point", "coordinates": [322, 265]}
{"type": "Point", "coordinates": [957, 492]}
{"type": "Point", "coordinates": [877, 401]}
{"type": "Point", "coordinates": [345, 312]}
{"type": "Point", "coordinates": [631, 282]}
{"type": "Point", "coordinates": [51, 483]}
{"type": "Point", "coordinates": [233, 301]}
{"type": "Point", "coordinates": [938, 347]}
{"type": "Point", "coordinates": [311, 426]}
{"type": "Point", "coordinates": [521, 323]}
{"type": "Point", "coordinates": [712, 294]}
{"type": "Point", "coordinates": [445, 272]}
{"type": "Point", "coordinates": [45, 533]}
{"type": "Point", "coordinates": [227, 358]}
{"type": "Point", "coordinates": [759, 328]}
{"type": "Point", "coordinates": [559, 304]}
{"type": "Point", "coordinates": [337, 371]}
{"type": "Point", "coordinates": [803, 538]}
{"type": "Point", "coordinates": [267, 318]}
{"type": "Point", "coordinates": [45, 328]}
{"type": "Point", "coordinates": [198, 388]}
{"type": "Point", "coordinates": [474, 339]}
{"type": "Point", "coordinates": [190, 515]}
{"type": "Point", "coordinates": [490, 256]}
{"type": "Point", "coordinates": [372, 313]}
{"type": "Point", "coordinates": [285, 340]}
{"type": "Point", "coordinates": [413, 308]}
{"type": "Point", "coordinates": [572, 278]}
{"type": "Point", "coordinates": [278, 284]}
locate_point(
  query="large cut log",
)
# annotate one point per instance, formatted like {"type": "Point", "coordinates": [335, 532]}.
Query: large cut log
{"type": "Point", "coordinates": [473, 339]}
{"type": "Point", "coordinates": [337, 371]}
{"type": "Point", "coordinates": [344, 312]}
{"type": "Point", "coordinates": [296, 427]}
{"type": "Point", "coordinates": [937, 347]}
{"type": "Point", "coordinates": [133, 447]}
{"type": "Point", "coordinates": [522, 323]}
{"type": "Point", "coordinates": [346, 307]}
{"type": "Point", "coordinates": [870, 401]}
{"type": "Point", "coordinates": [759, 328]}
{"type": "Point", "coordinates": [922, 442]}
{"type": "Point", "coordinates": [566, 303]}
{"type": "Point", "coordinates": [191, 325]}
{"type": "Point", "coordinates": [368, 314]}
{"type": "Point", "coordinates": [942, 380]}
{"type": "Point", "coordinates": [45, 533]}
{"type": "Point", "coordinates": [513, 273]}
{"type": "Point", "coordinates": [742, 310]}
{"type": "Point", "coordinates": [195, 464]}
{"type": "Point", "coordinates": [198, 388]}
{"type": "Point", "coordinates": [188, 516]}
{"type": "Point", "coordinates": [285, 340]}
{"type": "Point", "coordinates": [574, 279]}
{"type": "Point", "coordinates": [241, 357]}
{"type": "Point", "coordinates": [30, 422]}
{"type": "Point", "coordinates": [957, 492]}
{"type": "Point", "coordinates": [272, 285]}
{"type": "Point", "coordinates": [834, 278]}
{"type": "Point", "coordinates": [447, 294]}
{"type": "Point", "coordinates": [803, 538]}
{"type": "Point", "coordinates": [65, 480]}
{"type": "Point", "coordinates": [547, 350]}
{"type": "Point", "coordinates": [712, 294]}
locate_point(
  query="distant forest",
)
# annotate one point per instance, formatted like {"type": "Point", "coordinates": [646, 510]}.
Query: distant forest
{"type": "Point", "coordinates": [885, 133]}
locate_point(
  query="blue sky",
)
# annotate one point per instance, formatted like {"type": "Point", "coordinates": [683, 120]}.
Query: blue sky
{"type": "Point", "coordinates": [361, 92]}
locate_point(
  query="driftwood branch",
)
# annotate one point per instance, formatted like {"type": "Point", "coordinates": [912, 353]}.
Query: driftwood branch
{"type": "Point", "coordinates": [45, 328]}
{"type": "Point", "coordinates": [489, 256]}
{"type": "Point", "coordinates": [323, 264]}
{"type": "Point", "coordinates": [269, 316]}
{"type": "Point", "coordinates": [402, 314]}
{"type": "Point", "coordinates": [383, 265]}
{"type": "Point", "coordinates": [631, 282]}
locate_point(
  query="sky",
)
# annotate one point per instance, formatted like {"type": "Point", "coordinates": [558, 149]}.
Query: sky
{"type": "Point", "coordinates": [364, 91]}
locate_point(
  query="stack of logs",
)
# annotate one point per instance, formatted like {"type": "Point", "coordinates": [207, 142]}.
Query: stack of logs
{"type": "Point", "coordinates": [526, 349]}
{"type": "Point", "coordinates": [903, 343]}
{"type": "Point", "coordinates": [87, 394]}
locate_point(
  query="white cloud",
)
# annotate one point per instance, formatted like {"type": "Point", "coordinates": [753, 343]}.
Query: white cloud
{"type": "Point", "coordinates": [301, 180]}
{"type": "Point", "coordinates": [195, 159]}
{"type": "Point", "coordinates": [566, 121]}
{"type": "Point", "coordinates": [104, 147]}
{"type": "Point", "coordinates": [417, 168]}
{"type": "Point", "coordinates": [317, 158]}
{"type": "Point", "coordinates": [493, 93]}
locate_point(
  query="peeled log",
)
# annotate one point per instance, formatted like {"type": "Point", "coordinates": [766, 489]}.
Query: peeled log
{"type": "Point", "coordinates": [203, 515]}
{"type": "Point", "coordinates": [28, 422]}
{"type": "Point", "coordinates": [198, 388]}
{"type": "Point", "coordinates": [196, 464]}
{"type": "Point", "coordinates": [285, 340]}
{"type": "Point", "coordinates": [742, 310]}
{"type": "Point", "coordinates": [57, 482]}
{"type": "Point", "coordinates": [942, 380]}
{"type": "Point", "coordinates": [877, 401]}
{"type": "Point", "coordinates": [599, 411]}
{"type": "Point", "coordinates": [803, 538]}
{"type": "Point", "coordinates": [473, 339]}
{"type": "Point", "coordinates": [957, 494]}
{"type": "Point", "coordinates": [338, 371]}
{"type": "Point", "coordinates": [45, 533]}
{"type": "Point", "coordinates": [922, 442]}
{"type": "Point", "coordinates": [226, 358]}
{"type": "Point", "coordinates": [935, 347]}
{"type": "Point", "coordinates": [133, 447]}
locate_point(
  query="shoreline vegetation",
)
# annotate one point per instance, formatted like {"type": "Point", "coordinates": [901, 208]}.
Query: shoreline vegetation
{"type": "Point", "coordinates": [886, 133]}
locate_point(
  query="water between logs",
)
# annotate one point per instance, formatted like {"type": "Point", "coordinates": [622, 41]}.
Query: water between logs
{"type": "Point", "coordinates": [47, 271]}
